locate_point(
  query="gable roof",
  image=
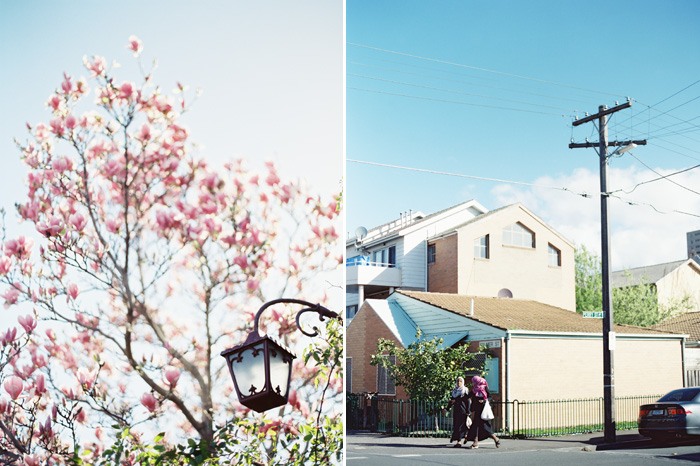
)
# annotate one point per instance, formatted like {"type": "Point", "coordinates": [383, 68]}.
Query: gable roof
{"type": "Point", "coordinates": [687, 323]}
{"type": "Point", "coordinates": [518, 314]}
{"type": "Point", "coordinates": [497, 211]}
{"type": "Point", "coordinates": [644, 275]}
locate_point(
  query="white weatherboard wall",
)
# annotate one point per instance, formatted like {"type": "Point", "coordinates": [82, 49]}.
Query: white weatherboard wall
{"type": "Point", "coordinates": [414, 253]}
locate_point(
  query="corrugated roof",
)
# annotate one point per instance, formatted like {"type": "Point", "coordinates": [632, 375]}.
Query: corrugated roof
{"type": "Point", "coordinates": [687, 323]}
{"type": "Point", "coordinates": [517, 314]}
{"type": "Point", "coordinates": [404, 329]}
{"type": "Point", "coordinates": [643, 275]}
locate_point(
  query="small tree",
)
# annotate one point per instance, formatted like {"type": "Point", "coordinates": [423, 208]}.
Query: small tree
{"type": "Point", "coordinates": [425, 369]}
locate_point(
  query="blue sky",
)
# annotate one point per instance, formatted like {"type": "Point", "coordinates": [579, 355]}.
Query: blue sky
{"type": "Point", "coordinates": [490, 89]}
{"type": "Point", "coordinates": [270, 72]}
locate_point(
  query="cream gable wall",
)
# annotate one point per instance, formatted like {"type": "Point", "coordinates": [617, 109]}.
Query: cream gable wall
{"type": "Point", "coordinates": [525, 272]}
{"type": "Point", "coordinates": [683, 281]}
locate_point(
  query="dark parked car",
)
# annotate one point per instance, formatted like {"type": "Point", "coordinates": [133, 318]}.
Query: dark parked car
{"type": "Point", "coordinates": [676, 414]}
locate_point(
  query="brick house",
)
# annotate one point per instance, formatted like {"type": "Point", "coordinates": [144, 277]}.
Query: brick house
{"type": "Point", "coordinates": [464, 249]}
{"type": "Point", "coordinates": [537, 351]}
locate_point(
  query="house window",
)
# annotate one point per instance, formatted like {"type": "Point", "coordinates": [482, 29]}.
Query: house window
{"type": "Point", "coordinates": [518, 235]}
{"type": "Point", "coordinates": [554, 256]}
{"type": "Point", "coordinates": [385, 383]}
{"type": "Point", "coordinates": [481, 247]}
{"type": "Point", "coordinates": [431, 253]}
{"type": "Point", "coordinates": [348, 375]}
{"type": "Point", "coordinates": [350, 311]}
{"type": "Point", "coordinates": [385, 257]}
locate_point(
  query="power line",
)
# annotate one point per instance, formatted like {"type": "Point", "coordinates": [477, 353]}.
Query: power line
{"type": "Point", "coordinates": [477, 68]}
{"type": "Point", "coordinates": [464, 79]}
{"type": "Point", "coordinates": [459, 102]}
{"type": "Point", "coordinates": [520, 183]}
{"type": "Point", "coordinates": [452, 91]}
{"type": "Point", "coordinates": [661, 177]}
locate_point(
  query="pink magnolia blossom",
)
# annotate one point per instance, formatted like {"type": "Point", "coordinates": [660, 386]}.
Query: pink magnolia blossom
{"type": "Point", "coordinates": [31, 460]}
{"type": "Point", "coordinates": [86, 378]}
{"type": "Point", "coordinates": [40, 384]}
{"type": "Point", "coordinates": [9, 336]}
{"type": "Point", "coordinates": [54, 102]}
{"type": "Point", "coordinates": [66, 85]}
{"type": "Point", "coordinates": [135, 45]}
{"type": "Point", "coordinates": [172, 375]}
{"type": "Point", "coordinates": [62, 164]}
{"type": "Point", "coordinates": [14, 386]}
{"type": "Point", "coordinates": [27, 322]}
{"type": "Point", "coordinates": [72, 291]}
{"type": "Point", "coordinates": [97, 65]}
{"type": "Point", "coordinates": [144, 134]}
{"type": "Point", "coordinates": [126, 90]}
{"type": "Point", "coordinates": [78, 220]}
{"type": "Point", "coordinates": [10, 296]}
{"type": "Point", "coordinates": [71, 122]}
{"type": "Point", "coordinates": [20, 248]}
{"type": "Point", "coordinates": [51, 227]}
{"type": "Point", "coordinates": [57, 127]}
{"type": "Point", "coordinates": [149, 401]}
{"type": "Point", "coordinates": [5, 264]}
{"type": "Point", "coordinates": [46, 429]}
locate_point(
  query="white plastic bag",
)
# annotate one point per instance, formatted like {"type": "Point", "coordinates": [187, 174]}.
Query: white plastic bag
{"type": "Point", "coordinates": [487, 414]}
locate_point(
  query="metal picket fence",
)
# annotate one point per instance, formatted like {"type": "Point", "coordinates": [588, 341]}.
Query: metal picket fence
{"type": "Point", "coordinates": [513, 418]}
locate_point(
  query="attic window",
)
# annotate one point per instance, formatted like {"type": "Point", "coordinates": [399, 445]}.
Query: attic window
{"type": "Point", "coordinates": [554, 256]}
{"type": "Point", "coordinates": [519, 235]}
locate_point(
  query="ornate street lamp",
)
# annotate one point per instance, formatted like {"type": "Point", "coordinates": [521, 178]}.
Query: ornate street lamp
{"type": "Point", "coordinates": [261, 367]}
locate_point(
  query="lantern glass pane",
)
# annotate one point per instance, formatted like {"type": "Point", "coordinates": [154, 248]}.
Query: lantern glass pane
{"type": "Point", "coordinates": [249, 371]}
{"type": "Point", "coordinates": [279, 372]}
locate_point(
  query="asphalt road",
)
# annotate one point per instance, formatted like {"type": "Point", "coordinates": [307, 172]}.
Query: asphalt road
{"type": "Point", "coordinates": [586, 449]}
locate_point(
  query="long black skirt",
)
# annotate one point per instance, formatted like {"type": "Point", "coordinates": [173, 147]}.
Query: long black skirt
{"type": "Point", "coordinates": [480, 429]}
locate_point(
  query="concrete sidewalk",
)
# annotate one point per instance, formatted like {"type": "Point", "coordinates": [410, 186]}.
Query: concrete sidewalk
{"type": "Point", "coordinates": [591, 441]}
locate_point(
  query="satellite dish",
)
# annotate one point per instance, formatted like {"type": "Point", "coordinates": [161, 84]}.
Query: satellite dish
{"type": "Point", "coordinates": [360, 233]}
{"type": "Point", "coordinates": [505, 293]}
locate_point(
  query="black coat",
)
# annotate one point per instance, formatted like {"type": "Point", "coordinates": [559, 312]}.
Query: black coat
{"type": "Point", "coordinates": [480, 429]}
{"type": "Point", "coordinates": [460, 410]}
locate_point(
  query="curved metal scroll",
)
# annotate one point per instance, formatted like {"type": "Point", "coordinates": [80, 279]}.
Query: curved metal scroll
{"type": "Point", "coordinates": [322, 312]}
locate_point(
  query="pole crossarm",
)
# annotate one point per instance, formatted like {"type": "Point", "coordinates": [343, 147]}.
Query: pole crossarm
{"type": "Point", "coordinates": [582, 145]}
{"type": "Point", "coordinates": [602, 113]}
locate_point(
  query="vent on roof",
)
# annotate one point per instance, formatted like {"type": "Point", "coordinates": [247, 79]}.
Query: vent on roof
{"type": "Point", "coordinates": [505, 293]}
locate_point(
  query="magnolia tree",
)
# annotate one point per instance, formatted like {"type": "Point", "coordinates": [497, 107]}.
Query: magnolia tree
{"type": "Point", "coordinates": [147, 263]}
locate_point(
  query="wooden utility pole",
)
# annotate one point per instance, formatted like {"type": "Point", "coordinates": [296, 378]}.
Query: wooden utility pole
{"type": "Point", "coordinates": [608, 333]}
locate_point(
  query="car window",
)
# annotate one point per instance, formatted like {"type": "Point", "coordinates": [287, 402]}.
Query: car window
{"type": "Point", "coordinates": [687, 394]}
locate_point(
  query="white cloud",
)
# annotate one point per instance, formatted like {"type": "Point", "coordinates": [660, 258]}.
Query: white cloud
{"type": "Point", "coordinates": [646, 225]}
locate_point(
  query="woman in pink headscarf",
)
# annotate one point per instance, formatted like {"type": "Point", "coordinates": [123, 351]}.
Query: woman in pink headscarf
{"type": "Point", "coordinates": [480, 428]}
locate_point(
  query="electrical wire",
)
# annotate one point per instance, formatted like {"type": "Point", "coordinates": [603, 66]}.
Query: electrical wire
{"type": "Point", "coordinates": [453, 101]}
{"type": "Point", "coordinates": [520, 183]}
{"type": "Point", "coordinates": [461, 175]}
{"type": "Point", "coordinates": [661, 177]}
{"type": "Point", "coordinates": [460, 81]}
{"type": "Point", "coordinates": [487, 70]}
{"type": "Point", "coordinates": [451, 91]}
